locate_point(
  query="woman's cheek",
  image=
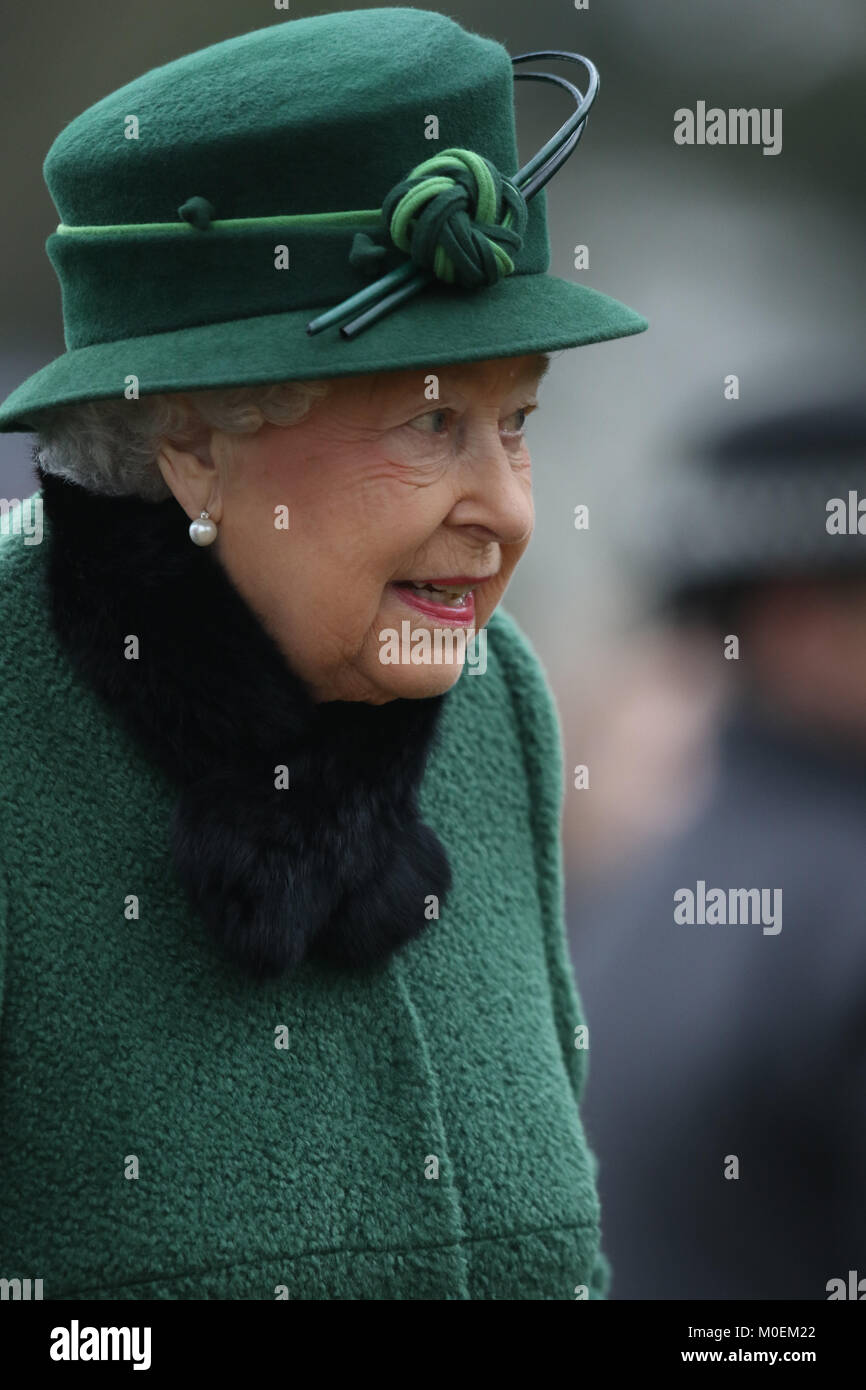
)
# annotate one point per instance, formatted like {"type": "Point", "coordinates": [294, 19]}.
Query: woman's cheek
{"type": "Point", "coordinates": [419, 459]}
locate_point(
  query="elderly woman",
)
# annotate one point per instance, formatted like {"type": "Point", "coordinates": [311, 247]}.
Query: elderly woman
{"type": "Point", "coordinates": [287, 1009]}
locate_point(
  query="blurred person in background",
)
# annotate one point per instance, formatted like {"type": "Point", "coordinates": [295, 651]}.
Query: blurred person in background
{"type": "Point", "coordinates": [727, 1080]}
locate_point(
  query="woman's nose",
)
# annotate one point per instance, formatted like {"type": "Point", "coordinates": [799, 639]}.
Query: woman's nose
{"type": "Point", "coordinates": [495, 491]}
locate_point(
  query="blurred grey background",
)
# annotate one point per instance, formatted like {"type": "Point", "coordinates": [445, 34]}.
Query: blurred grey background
{"type": "Point", "coordinates": [743, 263]}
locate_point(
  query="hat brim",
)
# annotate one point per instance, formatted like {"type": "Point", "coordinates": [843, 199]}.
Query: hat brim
{"type": "Point", "coordinates": [517, 316]}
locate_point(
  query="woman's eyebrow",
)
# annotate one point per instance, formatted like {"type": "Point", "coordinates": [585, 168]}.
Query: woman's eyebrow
{"type": "Point", "coordinates": [534, 369]}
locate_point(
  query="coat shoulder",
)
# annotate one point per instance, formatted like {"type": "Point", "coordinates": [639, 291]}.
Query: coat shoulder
{"type": "Point", "coordinates": [532, 700]}
{"type": "Point", "coordinates": [44, 706]}
{"type": "Point", "coordinates": [25, 634]}
{"type": "Point", "coordinates": [22, 574]}
{"type": "Point", "coordinates": [33, 669]}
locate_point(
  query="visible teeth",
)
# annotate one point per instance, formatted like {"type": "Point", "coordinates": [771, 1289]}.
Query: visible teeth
{"type": "Point", "coordinates": [441, 589]}
{"type": "Point", "coordinates": [448, 593]}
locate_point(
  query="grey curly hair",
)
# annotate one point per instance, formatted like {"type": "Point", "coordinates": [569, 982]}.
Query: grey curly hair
{"type": "Point", "coordinates": [111, 446]}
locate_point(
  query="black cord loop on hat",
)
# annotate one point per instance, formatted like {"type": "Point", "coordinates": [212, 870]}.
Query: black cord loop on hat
{"type": "Point", "coordinates": [481, 247]}
{"type": "Point", "coordinates": [558, 151]}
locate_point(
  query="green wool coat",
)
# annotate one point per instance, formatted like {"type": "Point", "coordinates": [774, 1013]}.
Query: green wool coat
{"type": "Point", "coordinates": [171, 1129]}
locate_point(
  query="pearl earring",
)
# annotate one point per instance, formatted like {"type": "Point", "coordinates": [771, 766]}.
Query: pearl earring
{"type": "Point", "coordinates": [203, 531]}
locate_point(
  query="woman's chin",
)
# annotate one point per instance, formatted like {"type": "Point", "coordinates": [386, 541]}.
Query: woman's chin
{"type": "Point", "coordinates": [407, 682]}
{"type": "Point", "coordinates": [420, 654]}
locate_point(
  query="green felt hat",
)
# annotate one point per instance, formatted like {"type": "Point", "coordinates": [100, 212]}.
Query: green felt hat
{"type": "Point", "coordinates": [214, 208]}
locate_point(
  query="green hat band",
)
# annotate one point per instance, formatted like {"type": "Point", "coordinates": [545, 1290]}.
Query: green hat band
{"type": "Point", "coordinates": [455, 216]}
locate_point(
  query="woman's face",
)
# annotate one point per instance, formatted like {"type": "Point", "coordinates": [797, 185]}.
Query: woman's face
{"type": "Point", "coordinates": [383, 489]}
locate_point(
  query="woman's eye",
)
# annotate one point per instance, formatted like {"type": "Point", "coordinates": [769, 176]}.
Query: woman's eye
{"type": "Point", "coordinates": [439, 421]}
{"type": "Point", "coordinates": [434, 422]}
{"type": "Point", "coordinates": [515, 423]}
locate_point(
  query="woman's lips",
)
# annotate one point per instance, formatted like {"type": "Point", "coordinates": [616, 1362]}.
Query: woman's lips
{"type": "Point", "coordinates": [460, 613]}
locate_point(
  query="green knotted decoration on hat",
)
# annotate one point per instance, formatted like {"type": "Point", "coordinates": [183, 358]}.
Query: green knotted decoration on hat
{"type": "Point", "coordinates": [445, 216]}
{"type": "Point", "coordinates": [272, 208]}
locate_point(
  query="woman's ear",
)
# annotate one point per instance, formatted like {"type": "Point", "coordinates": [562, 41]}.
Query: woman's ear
{"type": "Point", "coordinates": [193, 476]}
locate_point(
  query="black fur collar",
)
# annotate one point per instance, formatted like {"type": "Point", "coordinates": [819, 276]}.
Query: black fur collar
{"type": "Point", "coordinates": [339, 865]}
